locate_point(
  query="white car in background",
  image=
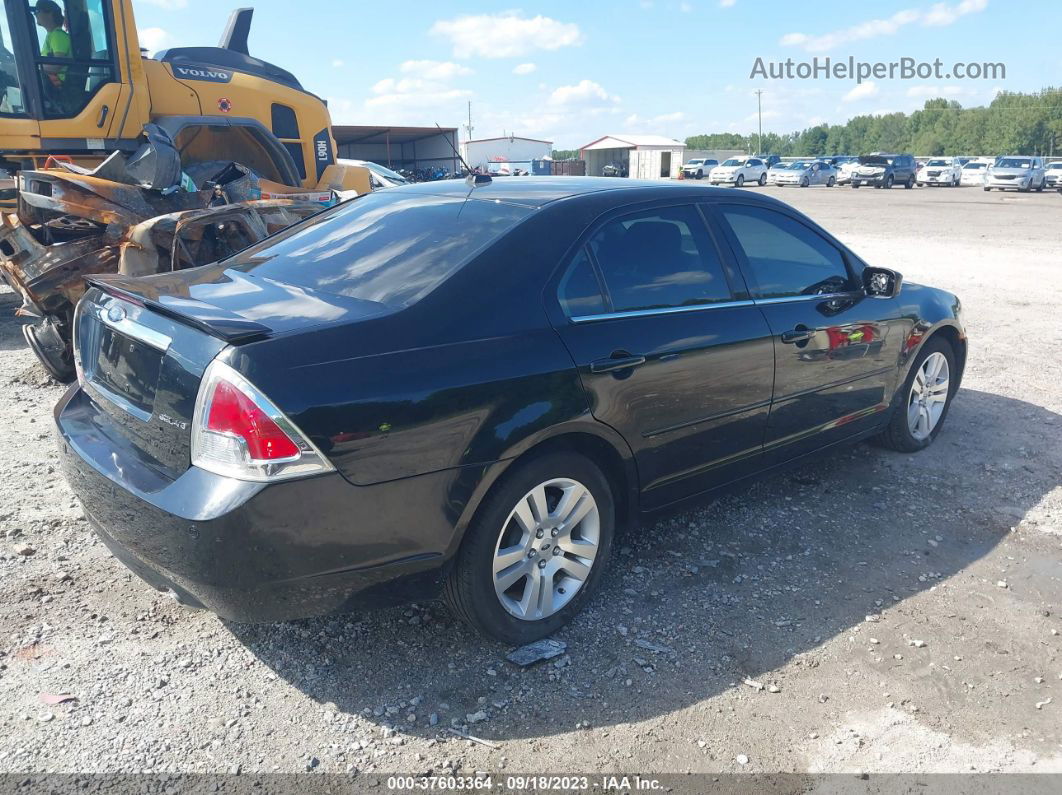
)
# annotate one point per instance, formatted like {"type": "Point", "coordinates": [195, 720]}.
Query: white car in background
{"type": "Point", "coordinates": [973, 173]}
{"type": "Point", "coordinates": [845, 168]}
{"type": "Point", "coordinates": [941, 171]}
{"type": "Point", "coordinates": [738, 170]}
{"type": "Point", "coordinates": [1053, 174]}
{"type": "Point", "coordinates": [1016, 173]}
{"type": "Point", "coordinates": [699, 167]}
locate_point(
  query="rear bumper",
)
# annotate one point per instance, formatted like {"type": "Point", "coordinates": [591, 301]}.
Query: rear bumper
{"type": "Point", "coordinates": [255, 553]}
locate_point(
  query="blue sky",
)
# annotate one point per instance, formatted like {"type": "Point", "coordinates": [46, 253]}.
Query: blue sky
{"type": "Point", "coordinates": [572, 72]}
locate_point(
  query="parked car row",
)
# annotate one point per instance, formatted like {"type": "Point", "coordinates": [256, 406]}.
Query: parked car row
{"type": "Point", "coordinates": [882, 170]}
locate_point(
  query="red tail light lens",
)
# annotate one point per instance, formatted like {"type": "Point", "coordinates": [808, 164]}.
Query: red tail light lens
{"type": "Point", "coordinates": [237, 431]}
{"type": "Point", "coordinates": [231, 411]}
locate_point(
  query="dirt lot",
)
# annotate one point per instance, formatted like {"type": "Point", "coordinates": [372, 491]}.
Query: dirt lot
{"type": "Point", "coordinates": [903, 613]}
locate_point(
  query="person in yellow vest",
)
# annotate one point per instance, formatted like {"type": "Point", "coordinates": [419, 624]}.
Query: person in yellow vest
{"type": "Point", "coordinates": [56, 40]}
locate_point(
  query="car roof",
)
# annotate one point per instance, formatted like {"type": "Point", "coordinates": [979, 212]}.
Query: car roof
{"type": "Point", "coordinates": [537, 192]}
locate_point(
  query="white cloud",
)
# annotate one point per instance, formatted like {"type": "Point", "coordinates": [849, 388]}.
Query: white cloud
{"type": "Point", "coordinates": [169, 5]}
{"type": "Point", "coordinates": [154, 39]}
{"type": "Point", "coordinates": [505, 35]}
{"type": "Point", "coordinates": [434, 70]}
{"type": "Point", "coordinates": [767, 114]}
{"type": "Point", "coordinates": [943, 14]}
{"type": "Point", "coordinates": [686, 8]}
{"type": "Point", "coordinates": [585, 93]}
{"type": "Point", "coordinates": [928, 92]}
{"type": "Point", "coordinates": [337, 62]}
{"type": "Point", "coordinates": [524, 68]}
{"type": "Point", "coordinates": [726, 3]}
{"type": "Point", "coordinates": [861, 91]}
{"type": "Point", "coordinates": [635, 123]}
{"type": "Point", "coordinates": [937, 15]}
{"type": "Point", "coordinates": [422, 85]}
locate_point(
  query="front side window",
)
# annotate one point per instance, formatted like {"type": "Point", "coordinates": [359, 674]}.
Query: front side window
{"type": "Point", "coordinates": [75, 58]}
{"type": "Point", "coordinates": [658, 259]}
{"type": "Point", "coordinates": [11, 99]}
{"type": "Point", "coordinates": [783, 256]}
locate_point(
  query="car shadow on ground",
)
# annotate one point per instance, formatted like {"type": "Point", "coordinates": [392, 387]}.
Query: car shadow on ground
{"type": "Point", "coordinates": [695, 603]}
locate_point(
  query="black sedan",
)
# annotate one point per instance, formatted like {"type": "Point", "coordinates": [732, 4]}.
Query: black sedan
{"type": "Point", "coordinates": [458, 391]}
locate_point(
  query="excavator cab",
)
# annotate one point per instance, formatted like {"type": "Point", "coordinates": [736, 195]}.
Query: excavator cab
{"type": "Point", "coordinates": [56, 56]}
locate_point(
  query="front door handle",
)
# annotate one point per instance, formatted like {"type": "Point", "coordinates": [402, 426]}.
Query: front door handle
{"type": "Point", "coordinates": [614, 363]}
{"type": "Point", "coordinates": [796, 335]}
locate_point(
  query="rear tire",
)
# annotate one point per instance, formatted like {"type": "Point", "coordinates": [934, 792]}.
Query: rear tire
{"type": "Point", "coordinates": [899, 434]}
{"type": "Point", "coordinates": [763, 179]}
{"type": "Point", "coordinates": [507, 518]}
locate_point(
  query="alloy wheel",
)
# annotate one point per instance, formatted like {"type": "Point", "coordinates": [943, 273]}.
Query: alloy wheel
{"type": "Point", "coordinates": [929, 396]}
{"type": "Point", "coordinates": [546, 549]}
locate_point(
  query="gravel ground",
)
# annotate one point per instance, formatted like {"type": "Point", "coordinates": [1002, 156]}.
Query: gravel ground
{"type": "Point", "coordinates": [868, 612]}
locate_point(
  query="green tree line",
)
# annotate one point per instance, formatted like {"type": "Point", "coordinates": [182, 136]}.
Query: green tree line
{"type": "Point", "coordinates": [1013, 123]}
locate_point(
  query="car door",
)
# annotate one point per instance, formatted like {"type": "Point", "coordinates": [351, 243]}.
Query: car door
{"type": "Point", "coordinates": [836, 350]}
{"type": "Point", "coordinates": [672, 356]}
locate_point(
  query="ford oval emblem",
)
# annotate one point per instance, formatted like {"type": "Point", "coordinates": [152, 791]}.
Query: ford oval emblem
{"type": "Point", "coordinates": [116, 313]}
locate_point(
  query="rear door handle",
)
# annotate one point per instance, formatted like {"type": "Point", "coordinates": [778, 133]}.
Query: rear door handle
{"type": "Point", "coordinates": [612, 364]}
{"type": "Point", "coordinates": [796, 335]}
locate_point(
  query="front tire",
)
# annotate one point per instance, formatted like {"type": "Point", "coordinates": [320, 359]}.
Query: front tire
{"type": "Point", "coordinates": [804, 182]}
{"type": "Point", "coordinates": [739, 181]}
{"type": "Point", "coordinates": [921, 405]}
{"type": "Point", "coordinates": [831, 182]}
{"type": "Point", "coordinates": [536, 550]}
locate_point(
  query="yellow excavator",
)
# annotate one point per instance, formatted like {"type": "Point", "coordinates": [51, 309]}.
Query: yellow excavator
{"type": "Point", "coordinates": [75, 85]}
{"type": "Point", "coordinates": [114, 161]}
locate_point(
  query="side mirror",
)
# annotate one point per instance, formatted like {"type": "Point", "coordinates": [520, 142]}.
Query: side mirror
{"type": "Point", "coordinates": [881, 282]}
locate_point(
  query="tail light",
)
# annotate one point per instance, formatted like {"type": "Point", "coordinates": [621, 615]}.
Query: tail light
{"type": "Point", "coordinates": [238, 432]}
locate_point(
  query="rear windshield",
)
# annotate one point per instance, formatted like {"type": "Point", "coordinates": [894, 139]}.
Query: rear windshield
{"type": "Point", "coordinates": [390, 247]}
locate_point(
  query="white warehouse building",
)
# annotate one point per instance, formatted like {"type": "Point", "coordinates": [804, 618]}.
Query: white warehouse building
{"type": "Point", "coordinates": [509, 149]}
{"type": "Point", "coordinates": [643, 156]}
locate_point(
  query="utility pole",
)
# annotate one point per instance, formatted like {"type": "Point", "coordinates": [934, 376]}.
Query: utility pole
{"type": "Point", "coordinates": [759, 115]}
{"type": "Point", "coordinates": [468, 127]}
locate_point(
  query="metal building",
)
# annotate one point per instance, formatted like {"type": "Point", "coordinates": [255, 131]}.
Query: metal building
{"type": "Point", "coordinates": [641, 156]}
{"type": "Point", "coordinates": [481, 152]}
{"type": "Point", "coordinates": [399, 147]}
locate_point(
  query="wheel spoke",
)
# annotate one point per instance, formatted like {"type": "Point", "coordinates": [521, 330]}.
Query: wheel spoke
{"type": "Point", "coordinates": [913, 413]}
{"type": "Point", "coordinates": [537, 500]}
{"type": "Point", "coordinates": [512, 575]}
{"type": "Point", "coordinates": [919, 384]}
{"type": "Point", "coordinates": [578, 512]}
{"type": "Point", "coordinates": [509, 556]}
{"type": "Point", "coordinates": [569, 498]}
{"type": "Point", "coordinates": [925, 420]}
{"type": "Point", "coordinates": [576, 568]}
{"type": "Point", "coordinates": [578, 547]}
{"type": "Point", "coordinates": [529, 603]}
{"type": "Point", "coordinates": [523, 516]}
{"type": "Point", "coordinates": [545, 592]}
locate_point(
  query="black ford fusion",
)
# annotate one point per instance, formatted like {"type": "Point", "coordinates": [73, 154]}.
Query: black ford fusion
{"type": "Point", "coordinates": [440, 390]}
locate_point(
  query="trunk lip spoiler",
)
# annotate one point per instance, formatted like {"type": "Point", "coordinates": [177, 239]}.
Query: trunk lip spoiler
{"type": "Point", "coordinates": [205, 317]}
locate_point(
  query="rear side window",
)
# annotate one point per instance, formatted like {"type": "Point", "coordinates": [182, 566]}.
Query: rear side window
{"type": "Point", "coordinates": [387, 247]}
{"type": "Point", "coordinates": [658, 259]}
{"type": "Point", "coordinates": [580, 291]}
{"type": "Point", "coordinates": [784, 257]}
